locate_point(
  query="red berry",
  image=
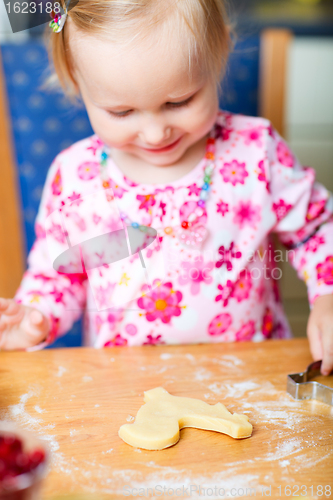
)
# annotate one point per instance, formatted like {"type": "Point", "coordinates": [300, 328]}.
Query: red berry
{"type": "Point", "coordinates": [185, 224]}
{"type": "Point", "coordinates": [14, 461]}
{"type": "Point", "coordinates": [36, 457]}
{"type": "Point", "coordinates": [22, 462]}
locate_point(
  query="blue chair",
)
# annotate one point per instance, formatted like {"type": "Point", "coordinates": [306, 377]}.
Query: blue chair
{"type": "Point", "coordinates": [43, 123]}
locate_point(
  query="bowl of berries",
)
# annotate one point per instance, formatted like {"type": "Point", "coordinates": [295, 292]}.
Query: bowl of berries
{"type": "Point", "coordinates": [23, 463]}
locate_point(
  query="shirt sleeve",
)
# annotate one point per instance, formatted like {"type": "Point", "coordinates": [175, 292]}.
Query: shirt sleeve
{"type": "Point", "coordinates": [60, 297]}
{"type": "Point", "coordinates": [303, 210]}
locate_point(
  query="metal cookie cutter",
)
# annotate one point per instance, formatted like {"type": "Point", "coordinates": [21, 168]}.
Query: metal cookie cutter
{"type": "Point", "coordinates": [300, 386]}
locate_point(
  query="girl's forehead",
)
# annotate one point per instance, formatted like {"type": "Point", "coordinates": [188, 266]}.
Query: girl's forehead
{"type": "Point", "coordinates": [116, 74]}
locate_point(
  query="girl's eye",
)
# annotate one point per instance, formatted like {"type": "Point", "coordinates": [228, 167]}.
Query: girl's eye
{"type": "Point", "coordinates": [123, 114]}
{"type": "Point", "coordinates": [180, 104]}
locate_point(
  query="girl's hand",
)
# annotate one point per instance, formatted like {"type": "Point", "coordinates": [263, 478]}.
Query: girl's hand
{"type": "Point", "coordinates": [320, 332]}
{"type": "Point", "coordinates": [21, 326]}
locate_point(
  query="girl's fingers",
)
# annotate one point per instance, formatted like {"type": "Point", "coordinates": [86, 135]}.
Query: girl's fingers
{"type": "Point", "coordinates": [315, 341]}
{"type": "Point", "coordinates": [36, 326]}
{"type": "Point", "coordinates": [3, 304]}
{"type": "Point", "coordinates": [36, 317]}
{"type": "Point", "coordinates": [13, 318]}
{"type": "Point", "coordinates": [327, 341]}
{"type": "Point", "coordinates": [9, 307]}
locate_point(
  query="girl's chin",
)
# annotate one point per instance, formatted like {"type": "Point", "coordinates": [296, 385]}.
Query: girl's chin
{"type": "Point", "coordinates": [162, 160]}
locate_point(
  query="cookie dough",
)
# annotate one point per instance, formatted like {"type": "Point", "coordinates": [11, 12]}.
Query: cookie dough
{"type": "Point", "coordinates": [158, 422]}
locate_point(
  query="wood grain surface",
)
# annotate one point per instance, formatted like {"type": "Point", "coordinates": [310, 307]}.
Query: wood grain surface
{"type": "Point", "coordinates": [12, 242]}
{"type": "Point", "coordinates": [76, 400]}
{"type": "Point", "coordinates": [274, 50]}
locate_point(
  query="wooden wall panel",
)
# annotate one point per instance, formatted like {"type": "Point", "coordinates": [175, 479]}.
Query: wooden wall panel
{"type": "Point", "coordinates": [12, 244]}
{"type": "Point", "coordinates": [274, 48]}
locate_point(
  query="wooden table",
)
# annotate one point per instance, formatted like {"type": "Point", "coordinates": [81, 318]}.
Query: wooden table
{"type": "Point", "coordinates": [76, 399]}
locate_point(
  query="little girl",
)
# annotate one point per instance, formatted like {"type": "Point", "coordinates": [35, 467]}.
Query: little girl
{"type": "Point", "coordinates": [213, 185]}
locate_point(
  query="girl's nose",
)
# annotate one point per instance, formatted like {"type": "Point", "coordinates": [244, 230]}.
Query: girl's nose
{"type": "Point", "coordinates": [154, 133]}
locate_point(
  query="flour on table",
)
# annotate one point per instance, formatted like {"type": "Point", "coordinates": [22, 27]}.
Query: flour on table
{"type": "Point", "coordinates": [236, 361]}
{"type": "Point", "coordinates": [18, 411]}
{"type": "Point", "coordinates": [38, 410]}
{"type": "Point", "coordinates": [61, 371]}
{"type": "Point", "coordinates": [166, 355]}
{"type": "Point", "coordinates": [202, 374]}
{"type": "Point", "coordinates": [190, 357]}
{"type": "Point", "coordinates": [237, 390]}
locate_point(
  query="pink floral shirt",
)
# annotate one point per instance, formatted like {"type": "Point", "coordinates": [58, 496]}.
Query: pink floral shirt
{"type": "Point", "coordinates": [226, 291]}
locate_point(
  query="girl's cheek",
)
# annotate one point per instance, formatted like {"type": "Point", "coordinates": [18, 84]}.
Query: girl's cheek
{"type": "Point", "coordinates": [109, 130]}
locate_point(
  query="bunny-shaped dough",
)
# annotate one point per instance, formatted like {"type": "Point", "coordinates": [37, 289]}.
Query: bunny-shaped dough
{"type": "Point", "coordinates": [158, 422]}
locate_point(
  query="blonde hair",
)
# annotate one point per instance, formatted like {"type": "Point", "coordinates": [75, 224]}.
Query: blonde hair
{"type": "Point", "coordinates": [205, 20]}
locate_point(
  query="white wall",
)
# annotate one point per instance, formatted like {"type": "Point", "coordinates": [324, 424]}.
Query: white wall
{"type": "Point", "coordinates": [309, 121]}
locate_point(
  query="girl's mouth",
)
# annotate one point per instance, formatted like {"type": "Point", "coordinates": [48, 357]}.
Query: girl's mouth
{"type": "Point", "coordinates": [165, 149]}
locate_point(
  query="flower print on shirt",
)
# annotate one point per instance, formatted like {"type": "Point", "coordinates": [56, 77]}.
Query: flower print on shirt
{"type": "Point", "coordinates": [291, 190]}
{"type": "Point", "coordinates": [131, 329]}
{"type": "Point", "coordinates": [246, 214]}
{"type": "Point", "coordinates": [227, 254]}
{"type": "Point", "coordinates": [56, 185]}
{"type": "Point", "coordinates": [151, 340]}
{"type": "Point", "coordinates": [96, 219]}
{"type": "Point", "coordinates": [88, 170]}
{"type": "Point", "coordinates": [58, 296]}
{"type": "Point", "coordinates": [195, 273]}
{"type": "Point", "coordinates": [40, 231]}
{"type": "Point", "coordinates": [161, 210]}
{"type": "Point", "coordinates": [118, 191]}
{"type": "Point", "coordinates": [281, 209]}
{"type": "Point", "coordinates": [246, 332]}
{"type": "Point", "coordinates": [220, 324]}
{"type": "Point", "coordinates": [78, 221]}
{"type": "Point", "coordinates": [35, 296]}
{"type": "Point", "coordinates": [54, 328]}
{"type": "Point", "coordinates": [223, 132]}
{"type": "Point", "coordinates": [75, 199]}
{"type": "Point", "coordinates": [114, 318]}
{"type": "Point", "coordinates": [234, 172]}
{"type": "Point", "coordinates": [98, 323]}
{"type": "Point", "coordinates": [262, 174]}
{"type": "Point", "coordinates": [57, 232]}
{"type": "Point", "coordinates": [188, 208]}
{"type": "Point", "coordinates": [96, 143]}
{"type": "Point", "coordinates": [225, 294]}
{"type": "Point", "coordinates": [284, 155]}
{"type": "Point", "coordinates": [129, 182]}
{"type": "Point", "coordinates": [118, 340]}
{"type": "Point", "coordinates": [103, 295]}
{"type": "Point", "coordinates": [222, 208]}
{"type": "Point", "coordinates": [194, 189]}
{"type": "Point", "coordinates": [156, 246]}
{"type": "Point", "coordinates": [314, 243]}
{"type": "Point", "coordinates": [267, 324]}
{"type": "Point", "coordinates": [325, 271]}
{"type": "Point", "coordinates": [160, 303]}
{"type": "Point", "coordinates": [253, 136]}
{"type": "Point", "coordinates": [315, 209]}
{"type": "Point", "coordinates": [147, 201]}
{"type": "Point", "coordinates": [242, 287]}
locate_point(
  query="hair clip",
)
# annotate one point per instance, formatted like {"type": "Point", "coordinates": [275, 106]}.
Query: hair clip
{"type": "Point", "coordinates": [58, 19]}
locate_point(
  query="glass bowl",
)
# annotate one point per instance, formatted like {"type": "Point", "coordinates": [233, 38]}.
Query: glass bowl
{"type": "Point", "coordinates": [27, 485]}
